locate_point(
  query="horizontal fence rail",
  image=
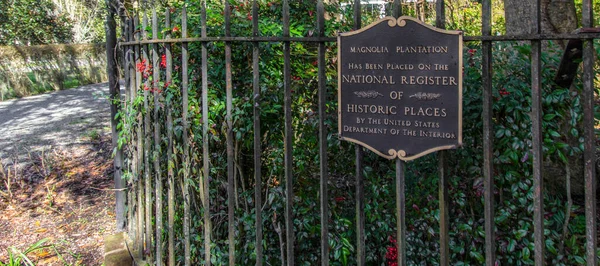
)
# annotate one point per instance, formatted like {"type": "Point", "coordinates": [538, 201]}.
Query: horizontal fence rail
{"type": "Point", "coordinates": [589, 33]}
{"type": "Point", "coordinates": [171, 142]}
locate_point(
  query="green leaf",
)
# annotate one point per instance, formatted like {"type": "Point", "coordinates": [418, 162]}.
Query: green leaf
{"type": "Point", "coordinates": [499, 133]}
{"type": "Point", "coordinates": [511, 245]}
{"type": "Point", "coordinates": [562, 145]}
{"type": "Point", "coordinates": [549, 117]}
{"type": "Point", "coordinates": [550, 247]}
{"type": "Point", "coordinates": [520, 234]}
{"type": "Point", "coordinates": [526, 253]}
{"type": "Point", "coordinates": [574, 132]}
{"type": "Point", "coordinates": [562, 157]}
{"type": "Point", "coordinates": [579, 259]}
{"type": "Point", "coordinates": [478, 256]}
{"type": "Point", "coordinates": [554, 133]}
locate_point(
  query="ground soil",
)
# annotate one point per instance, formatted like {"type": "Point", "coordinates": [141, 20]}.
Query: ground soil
{"type": "Point", "coordinates": [56, 176]}
{"type": "Point", "coordinates": [71, 205]}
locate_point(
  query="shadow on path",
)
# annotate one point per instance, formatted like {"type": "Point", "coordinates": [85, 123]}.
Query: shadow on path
{"type": "Point", "coordinates": [55, 119]}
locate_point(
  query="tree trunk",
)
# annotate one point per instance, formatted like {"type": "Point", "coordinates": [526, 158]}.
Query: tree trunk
{"type": "Point", "coordinates": [557, 16]}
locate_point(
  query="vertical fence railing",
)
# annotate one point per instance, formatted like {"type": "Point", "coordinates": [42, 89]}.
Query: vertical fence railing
{"type": "Point", "coordinates": [130, 65]}
{"type": "Point", "coordinates": [488, 171]}
{"type": "Point", "coordinates": [170, 161]}
{"type": "Point", "coordinates": [536, 134]}
{"type": "Point", "coordinates": [323, 171]}
{"type": "Point", "coordinates": [205, 153]}
{"type": "Point", "coordinates": [147, 142]}
{"type": "Point", "coordinates": [257, 144]}
{"type": "Point", "coordinates": [146, 220]}
{"type": "Point", "coordinates": [360, 184]}
{"type": "Point", "coordinates": [229, 138]}
{"type": "Point", "coordinates": [400, 187]}
{"type": "Point", "coordinates": [589, 156]}
{"type": "Point", "coordinates": [139, 147]}
{"type": "Point", "coordinates": [157, 142]}
{"type": "Point", "coordinates": [186, 151]}
{"type": "Point", "coordinates": [440, 22]}
{"type": "Point", "coordinates": [288, 134]}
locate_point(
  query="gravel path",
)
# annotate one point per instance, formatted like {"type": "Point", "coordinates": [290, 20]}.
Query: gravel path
{"type": "Point", "coordinates": [54, 120]}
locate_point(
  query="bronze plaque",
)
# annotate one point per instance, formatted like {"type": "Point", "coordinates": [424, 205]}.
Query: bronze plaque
{"type": "Point", "coordinates": [400, 88]}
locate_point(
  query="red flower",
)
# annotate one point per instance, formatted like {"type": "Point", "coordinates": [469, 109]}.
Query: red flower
{"type": "Point", "coordinates": [310, 13]}
{"type": "Point", "coordinates": [339, 199]}
{"type": "Point", "coordinates": [392, 253]}
{"type": "Point", "coordinates": [163, 61]}
{"type": "Point", "coordinates": [249, 16]}
{"type": "Point", "coordinates": [167, 84]}
{"type": "Point", "coordinates": [146, 88]}
{"type": "Point", "coordinates": [141, 66]}
{"type": "Point", "coordinates": [175, 29]}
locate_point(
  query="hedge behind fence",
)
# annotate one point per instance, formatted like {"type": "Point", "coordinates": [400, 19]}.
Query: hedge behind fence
{"type": "Point", "coordinates": [28, 70]}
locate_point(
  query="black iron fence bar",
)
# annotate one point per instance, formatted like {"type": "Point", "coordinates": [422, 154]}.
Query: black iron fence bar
{"type": "Point", "coordinates": [130, 81]}
{"type": "Point", "coordinates": [288, 158]}
{"type": "Point", "coordinates": [488, 142]}
{"type": "Point", "coordinates": [156, 155]}
{"type": "Point", "coordinates": [360, 184]}
{"type": "Point", "coordinates": [205, 142]}
{"type": "Point", "coordinates": [444, 206]}
{"type": "Point", "coordinates": [589, 145]}
{"type": "Point", "coordinates": [536, 135]}
{"type": "Point", "coordinates": [139, 150]}
{"type": "Point", "coordinates": [400, 192]}
{"type": "Point", "coordinates": [128, 87]}
{"type": "Point", "coordinates": [169, 128]}
{"type": "Point", "coordinates": [147, 140]}
{"type": "Point", "coordinates": [590, 33]}
{"type": "Point", "coordinates": [324, 192]}
{"type": "Point", "coordinates": [229, 138]}
{"type": "Point", "coordinates": [186, 151]}
{"type": "Point", "coordinates": [397, 8]}
{"type": "Point", "coordinates": [129, 54]}
{"type": "Point", "coordinates": [400, 212]}
{"type": "Point", "coordinates": [257, 147]}
{"type": "Point", "coordinates": [443, 181]}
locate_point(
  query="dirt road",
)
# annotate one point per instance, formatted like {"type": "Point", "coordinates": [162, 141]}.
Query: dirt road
{"type": "Point", "coordinates": [56, 178]}
{"type": "Point", "coordinates": [57, 119]}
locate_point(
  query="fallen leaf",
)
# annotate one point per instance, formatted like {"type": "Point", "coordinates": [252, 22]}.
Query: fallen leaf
{"type": "Point", "coordinates": [48, 261]}
{"type": "Point", "coordinates": [43, 254]}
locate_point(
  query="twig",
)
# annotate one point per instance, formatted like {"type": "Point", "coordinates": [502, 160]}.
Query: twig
{"type": "Point", "coordinates": [567, 208]}
{"type": "Point", "coordinates": [110, 189]}
{"type": "Point", "coordinates": [277, 227]}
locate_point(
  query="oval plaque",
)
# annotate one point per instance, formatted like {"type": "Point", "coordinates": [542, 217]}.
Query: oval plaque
{"type": "Point", "coordinates": [400, 88]}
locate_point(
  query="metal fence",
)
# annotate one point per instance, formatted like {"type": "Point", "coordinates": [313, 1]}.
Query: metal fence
{"type": "Point", "coordinates": [144, 215]}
